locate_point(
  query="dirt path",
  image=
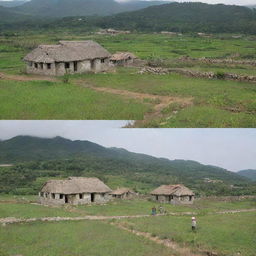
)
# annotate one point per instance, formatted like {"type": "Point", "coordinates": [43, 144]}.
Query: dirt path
{"type": "Point", "coordinates": [23, 78]}
{"type": "Point", "coordinates": [11, 220]}
{"type": "Point", "coordinates": [159, 102]}
{"type": "Point", "coordinates": [184, 251]}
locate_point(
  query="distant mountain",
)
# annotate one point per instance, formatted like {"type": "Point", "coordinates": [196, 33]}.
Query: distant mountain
{"type": "Point", "coordinates": [63, 8]}
{"type": "Point", "coordinates": [250, 174]}
{"type": "Point", "coordinates": [186, 17]}
{"type": "Point", "coordinates": [12, 3]}
{"type": "Point", "coordinates": [10, 16]}
{"type": "Point", "coordinates": [116, 160]}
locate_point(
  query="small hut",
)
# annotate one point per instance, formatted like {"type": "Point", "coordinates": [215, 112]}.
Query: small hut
{"type": "Point", "coordinates": [74, 190]}
{"type": "Point", "coordinates": [122, 58]}
{"type": "Point", "coordinates": [67, 57]}
{"type": "Point", "coordinates": [122, 193]}
{"type": "Point", "coordinates": [174, 194]}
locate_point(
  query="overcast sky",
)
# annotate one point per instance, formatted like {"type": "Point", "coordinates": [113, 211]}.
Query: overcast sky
{"type": "Point", "coordinates": [236, 2]}
{"type": "Point", "coordinates": [233, 149]}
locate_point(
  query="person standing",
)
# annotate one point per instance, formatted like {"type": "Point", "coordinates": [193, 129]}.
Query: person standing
{"type": "Point", "coordinates": [154, 211]}
{"type": "Point", "coordinates": [193, 223]}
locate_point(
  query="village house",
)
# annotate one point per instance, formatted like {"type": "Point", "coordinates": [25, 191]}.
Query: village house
{"type": "Point", "coordinates": [74, 190]}
{"type": "Point", "coordinates": [122, 58]}
{"type": "Point", "coordinates": [67, 57]}
{"type": "Point", "coordinates": [174, 194]}
{"type": "Point", "coordinates": [123, 193]}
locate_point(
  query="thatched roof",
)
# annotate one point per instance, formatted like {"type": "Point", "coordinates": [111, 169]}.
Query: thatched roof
{"type": "Point", "coordinates": [121, 191]}
{"type": "Point", "coordinates": [176, 190]}
{"type": "Point", "coordinates": [67, 51]}
{"type": "Point", "coordinates": [75, 185]}
{"type": "Point", "coordinates": [122, 56]}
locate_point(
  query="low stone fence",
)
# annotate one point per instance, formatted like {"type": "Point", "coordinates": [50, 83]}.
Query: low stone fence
{"type": "Point", "coordinates": [217, 61]}
{"type": "Point", "coordinates": [198, 74]}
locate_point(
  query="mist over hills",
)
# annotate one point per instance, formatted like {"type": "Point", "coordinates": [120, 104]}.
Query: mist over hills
{"type": "Point", "coordinates": [250, 174]}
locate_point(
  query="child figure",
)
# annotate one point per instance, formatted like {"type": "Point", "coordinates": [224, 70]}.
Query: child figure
{"type": "Point", "coordinates": [193, 223]}
{"type": "Point", "coordinates": [154, 211]}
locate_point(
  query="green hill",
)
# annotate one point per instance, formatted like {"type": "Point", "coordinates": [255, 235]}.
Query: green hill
{"type": "Point", "coordinates": [44, 158]}
{"type": "Point", "coordinates": [250, 174]}
{"type": "Point", "coordinates": [186, 17]}
{"type": "Point", "coordinates": [9, 16]}
{"type": "Point", "coordinates": [62, 8]}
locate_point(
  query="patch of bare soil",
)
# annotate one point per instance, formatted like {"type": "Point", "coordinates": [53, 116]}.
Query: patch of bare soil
{"type": "Point", "coordinates": [23, 78]}
{"type": "Point", "coordinates": [159, 102]}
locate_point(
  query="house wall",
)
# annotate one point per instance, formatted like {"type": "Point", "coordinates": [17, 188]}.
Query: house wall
{"type": "Point", "coordinates": [74, 199]}
{"type": "Point", "coordinates": [31, 69]}
{"type": "Point", "coordinates": [58, 68]}
{"type": "Point", "coordinates": [174, 200]}
{"type": "Point", "coordinates": [47, 199]}
{"type": "Point", "coordinates": [84, 66]}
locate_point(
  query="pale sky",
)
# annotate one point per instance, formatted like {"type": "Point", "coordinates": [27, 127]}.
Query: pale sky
{"type": "Point", "coordinates": [233, 149]}
{"type": "Point", "coordinates": [236, 2]}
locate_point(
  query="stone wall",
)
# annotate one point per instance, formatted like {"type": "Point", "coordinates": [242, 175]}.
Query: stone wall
{"type": "Point", "coordinates": [198, 74]}
{"type": "Point", "coordinates": [74, 199]}
{"type": "Point", "coordinates": [59, 69]}
{"type": "Point", "coordinates": [173, 199]}
{"type": "Point", "coordinates": [218, 61]}
{"type": "Point", "coordinates": [41, 69]}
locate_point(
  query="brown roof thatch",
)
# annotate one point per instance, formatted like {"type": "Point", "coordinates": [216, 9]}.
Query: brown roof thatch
{"type": "Point", "coordinates": [67, 51]}
{"type": "Point", "coordinates": [177, 190]}
{"type": "Point", "coordinates": [121, 191]}
{"type": "Point", "coordinates": [75, 185]}
{"type": "Point", "coordinates": [122, 56]}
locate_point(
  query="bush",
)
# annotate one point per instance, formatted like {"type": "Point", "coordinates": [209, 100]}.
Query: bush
{"type": "Point", "coordinates": [65, 79]}
{"type": "Point", "coordinates": [220, 75]}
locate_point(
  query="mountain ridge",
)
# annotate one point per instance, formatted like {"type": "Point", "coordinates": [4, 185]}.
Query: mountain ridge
{"type": "Point", "coordinates": [64, 8]}
{"type": "Point", "coordinates": [30, 148]}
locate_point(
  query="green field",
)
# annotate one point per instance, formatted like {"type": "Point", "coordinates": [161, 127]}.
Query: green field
{"type": "Point", "coordinates": [227, 234]}
{"type": "Point", "coordinates": [21, 209]}
{"type": "Point", "coordinates": [214, 103]}
{"type": "Point", "coordinates": [74, 238]}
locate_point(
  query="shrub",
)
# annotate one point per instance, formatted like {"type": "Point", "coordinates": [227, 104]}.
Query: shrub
{"type": "Point", "coordinates": [220, 75]}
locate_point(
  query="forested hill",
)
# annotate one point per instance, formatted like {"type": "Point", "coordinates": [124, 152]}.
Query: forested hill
{"type": "Point", "coordinates": [186, 17]}
{"type": "Point", "coordinates": [85, 155]}
{"type": "Point", "coordinates": [250, 174]}
{"type": "Point", "coordinates": [63, 8]}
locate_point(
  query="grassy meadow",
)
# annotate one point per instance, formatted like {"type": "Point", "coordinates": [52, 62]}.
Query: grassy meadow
{"type": "Point", "coordinates": [227, 234]}
{"type": "Point", "coordinates": [74, 238]}
{"type": "Point", "coordinates": [215, 103]}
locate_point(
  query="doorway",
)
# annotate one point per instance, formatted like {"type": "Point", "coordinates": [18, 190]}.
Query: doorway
{"type": "Point", "coordinates": [92, 198]}
{"type": "Point", "coordinates": [75, 66]}
{"type": "Point", "coordinates": [66, 199]}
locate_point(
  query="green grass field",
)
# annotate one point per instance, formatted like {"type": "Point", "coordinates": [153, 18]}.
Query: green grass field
{"type": "Point", "coordinates": [216, 103]}
{"type": "Point", "coordinates": [19, 208]}
{"type": "Point", "coordinates": [74, 238]}
{"type": "Point", "coordinates": [53, 100]}
{"type": "Point", "coordinates": [227, 234]}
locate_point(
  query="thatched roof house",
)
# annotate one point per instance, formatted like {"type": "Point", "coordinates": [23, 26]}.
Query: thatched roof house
{"type": "Point", "coordinates": [175, 194]}
{"type": "Point", "coordinates": [67, 57]}
{"type": "Point", "coordinates": [123, 193]}
{"type": "Point", "coordinates": [74, 190]}
{"type": "Point", "coordinates": [122, 58]}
